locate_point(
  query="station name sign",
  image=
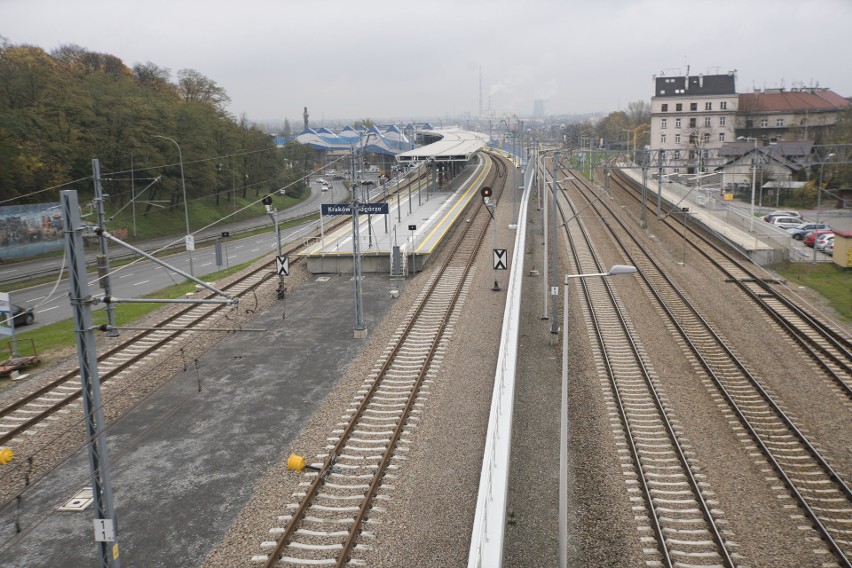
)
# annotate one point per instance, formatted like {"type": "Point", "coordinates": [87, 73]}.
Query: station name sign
{"type": "Point", "coordinates": [346, 209]}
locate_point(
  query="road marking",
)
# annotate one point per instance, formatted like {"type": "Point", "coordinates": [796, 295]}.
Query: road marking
{"type": "Point", "coordinates": [47, 309]}
{"type": "Point", "coordinates": [126, 275]}
{"type": "Point", "coordinates": [207, 264]}
{"type": "Point", "coordinates": [143, 282]}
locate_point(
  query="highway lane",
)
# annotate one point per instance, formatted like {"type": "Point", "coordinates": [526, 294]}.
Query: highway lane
{"type": "Point", "coordinates": [144, 276]}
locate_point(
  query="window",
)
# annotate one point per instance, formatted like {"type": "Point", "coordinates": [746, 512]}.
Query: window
{"type": "Point", "coordinates": [664, 123]}
{"type": "Point", "coordinates": [723, 105]}
{"type": "Point", "coordinates": [707, 137]}
{"type": "Point", "coordinates": [677, 138]}
{"type": "Point", "coordinates": [665, 108]}
{"type": "Point", "coordinates": [764, 123]}
{"type": "Point", "coordinates": [692, 123]}
{"type": "Point", "coordinates": [708, 106]}
{"type": "Point", "coordinates": [677, 123]}
{"type": "Point", "coordinates": [662, 138]}
{"type": "Point", "coordinates": [803, 122]}
{"type": "Point", "coordinates": [679, 107]}
{"type": "Point", "coordinates": [779, 122]}
{"type": "Point", "coordinates": [707, 121]}
{"type": "Point", "coordinates": [693, 106]}
{"type": "Point", "coordinates": [721, 137]}
{"type": "Point", "coordinates": [677, 155]}
{"type": "Point", "coordinates": [722, 120]}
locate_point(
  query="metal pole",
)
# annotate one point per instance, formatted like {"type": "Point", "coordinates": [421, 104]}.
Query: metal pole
{"type": "Point", "coordinates": [496, 287]}
{"type": "Point", "coordinates": [819, 206]}
{"type": "Point", "coordinates": [132, 195]}
{"type": "Point", "coordinates": [185, 203]}
{"type": "Point", "coordinates": [554, 283]}
{"type": "Point", "coordinates": [753, 176]}
{"type": "Point", "coordinates": [103, 258]}
{"type": "Point", "coordinates": [360, 329]}
{"type": "Point", "coordinates": [644, 188]}
{"type": "Point", "coordinates": [563, 440]}
{"type": "Point", "coordinates": [545, 216]}
{"type": "Point", "coordinates": [662, 153]}
{"type": "Point", "coordinates": [106, 527]}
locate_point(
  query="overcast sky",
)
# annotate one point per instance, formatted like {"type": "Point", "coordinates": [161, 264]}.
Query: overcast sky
{"type": "Point", "coordinates": [404, 60]}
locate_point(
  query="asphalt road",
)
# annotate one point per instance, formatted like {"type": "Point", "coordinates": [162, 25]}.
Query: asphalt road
{"type": "Point", "coordinates": [144, 276]}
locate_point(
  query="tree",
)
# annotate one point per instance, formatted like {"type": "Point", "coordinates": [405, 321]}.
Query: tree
{"type": "Point", "coordinates": [195, 87]}
{"type": "Point", "coordinates": [153, 77]}
{"type": "Point", "coordinates": [639, 112]}
{"type": "Point", "coordinates": [287, 130]}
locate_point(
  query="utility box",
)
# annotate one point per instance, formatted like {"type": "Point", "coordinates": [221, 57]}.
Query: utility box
{"type": "Point", "coordinates": [842, 254]}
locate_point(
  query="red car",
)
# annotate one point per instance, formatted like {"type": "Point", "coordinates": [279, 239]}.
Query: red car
{"type": "Point", "coordinates": [811, 237]}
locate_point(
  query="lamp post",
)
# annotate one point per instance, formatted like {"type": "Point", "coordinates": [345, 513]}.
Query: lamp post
{"type": "Point", "coordinates": [190, 244]}
{"type": "Point", "coordinates": [753, 176]}
{"type": "Point", "coordinates": [819, 197]}
{"type": "Point", "coordinates": [563, 422]}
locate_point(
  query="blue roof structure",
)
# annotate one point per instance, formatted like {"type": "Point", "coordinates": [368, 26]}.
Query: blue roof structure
{"type": "Point", "coordinates": [390, 142]}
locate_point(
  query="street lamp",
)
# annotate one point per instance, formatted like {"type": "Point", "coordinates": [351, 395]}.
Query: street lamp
{"type": "Point", "coordinates": [819, 196]}
{"type": "Point", "coordinates": [563, 422]}
{"type": "Point", "coordinates": [753, 172]}
{"type": "Point", "coordinates": [190, 244]}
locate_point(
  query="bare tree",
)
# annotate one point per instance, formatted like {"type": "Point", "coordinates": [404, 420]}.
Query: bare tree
{"type": "Point", "coordinates": [639, 112]}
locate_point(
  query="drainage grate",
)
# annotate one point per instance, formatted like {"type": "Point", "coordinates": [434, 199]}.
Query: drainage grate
{"type": "Point", "coordinates": [80, 502]}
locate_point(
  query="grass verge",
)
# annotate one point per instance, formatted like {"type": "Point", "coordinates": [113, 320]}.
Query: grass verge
{"type": "Point", "coordinates": [58, 340]}
{"type": "Point", "coordinates": [832, 282]}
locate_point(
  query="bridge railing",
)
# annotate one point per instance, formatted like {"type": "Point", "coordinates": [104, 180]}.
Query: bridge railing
{"type": "Point", "coordinates": [486, 546]}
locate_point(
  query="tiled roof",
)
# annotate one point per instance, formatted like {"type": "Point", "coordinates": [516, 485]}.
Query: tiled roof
{"type": "Point", "coordinates": [793, 101]}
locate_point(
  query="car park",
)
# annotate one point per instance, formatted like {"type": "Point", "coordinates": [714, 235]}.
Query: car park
{"type": "Point", "coordinates": [799, 231]}
{"type": "Point", "coordinates": [811, 237]}
{"type": "Point", "coordinates": [785, 222]}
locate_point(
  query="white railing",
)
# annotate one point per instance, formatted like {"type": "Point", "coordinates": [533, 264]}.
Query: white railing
{"type": "Point", "coordinates": [489, 523]}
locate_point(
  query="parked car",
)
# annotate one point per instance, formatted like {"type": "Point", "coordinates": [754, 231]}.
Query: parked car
{"type": "Point", "coordinates": [822, 240]}
{"type": "Point", "coordinates": [812, 236]}
{"type": "Point", "coordinates": [768, 216]}
{"type": "Point", "coordinates": [368, 182]}
{"type": "Point", "coordinates": [799, 231]}
{"type": "Point", "coordinates": [22, 315]}
{"type": "Point", "coordinates": [783, 222]}
{"type": "Point", "coordinates": [829, 248]}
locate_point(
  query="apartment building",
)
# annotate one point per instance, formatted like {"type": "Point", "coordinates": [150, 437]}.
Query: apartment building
{"type": "Point", "coordinates": [691, 115]}
{"type": "Point", "coordinates": [776, 115]}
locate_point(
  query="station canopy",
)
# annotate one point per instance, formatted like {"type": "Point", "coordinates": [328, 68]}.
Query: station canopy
{"type": "Point", "coordinates": [453, 146]}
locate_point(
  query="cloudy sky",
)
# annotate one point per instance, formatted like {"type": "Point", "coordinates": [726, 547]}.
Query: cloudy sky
{"type": "Point", "coordinates": [404, 60]}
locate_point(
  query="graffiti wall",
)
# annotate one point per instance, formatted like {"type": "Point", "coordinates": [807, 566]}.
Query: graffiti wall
{"type": "Point", "coordinates": [30, 230]}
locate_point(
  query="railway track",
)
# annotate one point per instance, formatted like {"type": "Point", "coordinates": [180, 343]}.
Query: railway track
{"type": "Point", "coordinates": [27, 412]}
{"type": "Point", "coordinates": [821, 494]}
{"type": "Point", "coordinates": [331, 521]}
{"type": "Point", "coordinates": [679, 527]}
{"type": "Point", "coordinates": [829, 348]}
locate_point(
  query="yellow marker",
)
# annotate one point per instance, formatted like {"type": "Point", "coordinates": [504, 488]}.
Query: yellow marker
{"type": "Point", "coordinates": [6, 455]}
{"type": "Point", "coordinates": [115, 551]}
{"type": "Point", "coordinates": [295, 463]}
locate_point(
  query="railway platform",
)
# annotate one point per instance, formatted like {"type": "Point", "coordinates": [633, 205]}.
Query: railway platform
{"type": "Point", "coordinates": [417, 221]}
